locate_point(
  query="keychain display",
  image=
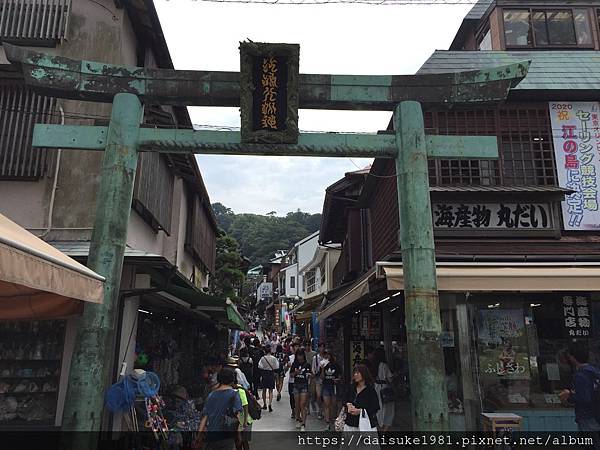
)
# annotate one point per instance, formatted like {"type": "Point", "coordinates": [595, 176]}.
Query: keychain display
{"type": "Point", "coordinates": [155, 419]}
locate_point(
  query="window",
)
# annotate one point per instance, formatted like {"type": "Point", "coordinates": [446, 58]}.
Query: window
{"type": "Point", "coordinates": [292, 282]}
{"type": "Point", "coordinates": [485, 41]}
{"type": "Point", "coordinates": [20, 109]}
{"type": "Point", "coordinates": [323, 271]}
{"type": "Point", "coordinates": [311, 281]}
{"type": "Point", "coordinates": [517, 28]}
{"type": "Point", "coordinates": [34, 22]}
{"type": "Point", "coordinates": [547, 28]}
{"type": "Point", "coordinates": [521, 342]}
{"type": "Point", "coordinates": [525, 145]}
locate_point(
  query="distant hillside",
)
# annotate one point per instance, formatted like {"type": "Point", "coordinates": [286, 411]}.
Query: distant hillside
{"type": "Point", "coordinates": [260, 236]}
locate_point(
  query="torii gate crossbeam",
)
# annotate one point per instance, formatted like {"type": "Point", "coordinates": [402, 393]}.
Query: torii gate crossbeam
{"type": "Point", "coordinates": [123, 139]}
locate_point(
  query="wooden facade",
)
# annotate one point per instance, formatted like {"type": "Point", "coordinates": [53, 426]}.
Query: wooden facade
{"type": "Point", "coordinates": [153, 191]}
{"type": "Point", "coordinates": [20, 109]}
{"type": "Point", "coordinates": [200, 238]}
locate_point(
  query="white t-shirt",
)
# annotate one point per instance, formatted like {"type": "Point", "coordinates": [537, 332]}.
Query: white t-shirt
{"type": "Point", "coordinates": [268, 362]}
{"type": "Point", "coordinates": [290, 362]}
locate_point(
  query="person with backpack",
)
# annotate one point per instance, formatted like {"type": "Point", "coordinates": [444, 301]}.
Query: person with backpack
{"type": "Point", "coordinates": [586, 391]}
{"type": "Point", "coordinates": [282, 359]}
{"type": "Point", "coordinates": [246, 366]}
{"type": "Point", "coordinates": [251, 413]}
{"type": "Point", "coordinates": [268, 364]}
{"type": "Point", "coordinates": [221, 415]}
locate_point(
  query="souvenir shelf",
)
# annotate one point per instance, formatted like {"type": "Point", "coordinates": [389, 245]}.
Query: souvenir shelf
{"type": "Point", "coordinates": [30, 363]}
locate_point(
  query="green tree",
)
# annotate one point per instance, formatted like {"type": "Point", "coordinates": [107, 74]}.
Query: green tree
{"type": "Point", "coordinates": [259, 236]}
{"type": "Point", "coordinates": [229, 274]}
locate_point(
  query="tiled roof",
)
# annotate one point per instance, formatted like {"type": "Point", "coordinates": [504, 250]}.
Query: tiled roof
{"type": "Point", "coordinates": [82, 248]}
{"type": "Point", "coordinates": [547, 189]}
{"type": "Point", "coordinates": [478, 10]}
{"type": "Point", "coordinates": [549, 70]}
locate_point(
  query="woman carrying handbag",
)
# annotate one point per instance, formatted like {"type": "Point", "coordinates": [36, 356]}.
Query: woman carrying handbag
{"type": "Point", "coordinates": [363, 404]}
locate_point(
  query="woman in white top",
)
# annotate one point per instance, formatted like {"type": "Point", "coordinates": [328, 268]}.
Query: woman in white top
{"type": "Point", "coordinates": [267, 365]}
{"type": "Point", "coordinates": [385, 415]}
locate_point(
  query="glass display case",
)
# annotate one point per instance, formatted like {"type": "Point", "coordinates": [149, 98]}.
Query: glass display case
{"type": "Point", "coordinates": [30, 365]}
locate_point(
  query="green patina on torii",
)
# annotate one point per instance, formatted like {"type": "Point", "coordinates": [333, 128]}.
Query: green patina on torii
{"type": "Point", "coordinates": [126, 87]}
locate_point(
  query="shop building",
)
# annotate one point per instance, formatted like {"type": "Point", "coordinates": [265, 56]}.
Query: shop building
{"type": "Point", "coordinates": [172, 229]}
{"type": "Point", "coordinates": [517, 242]}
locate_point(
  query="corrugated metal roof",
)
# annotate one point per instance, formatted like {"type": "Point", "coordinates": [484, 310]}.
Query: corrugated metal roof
{"type": "Point", "coordinates": [547, 189]}
{"type": "Point", "coordinates": [82, 248]}
{"type": "Point", "coordinates": [479, 9]}
{"type": "Point", "coordinates": [549, 70]}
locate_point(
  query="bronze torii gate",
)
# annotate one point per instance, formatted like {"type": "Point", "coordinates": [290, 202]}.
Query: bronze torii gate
{"type": "Point", "coordinates": [126, 87]}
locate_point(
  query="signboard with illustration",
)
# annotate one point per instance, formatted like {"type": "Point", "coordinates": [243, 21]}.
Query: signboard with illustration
{"type": "Point", "coordinates": [502, 342]}
{"type": "Point", "coordinates": [576, 136]}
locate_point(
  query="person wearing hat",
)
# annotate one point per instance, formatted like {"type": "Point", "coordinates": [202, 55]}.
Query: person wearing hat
{"type": "Point", "coordinates": [241, 378]}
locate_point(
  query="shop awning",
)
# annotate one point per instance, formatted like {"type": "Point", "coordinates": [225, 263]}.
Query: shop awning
{"type": "Point", "coordinates": [460, 277]}
{"type": "Point", "coordinates": [310, 304]}
{"type": "Point", "coordinates": [303, 316]}
{"type": "Point", "coordinates": [355, 293]}
{"type": "Point", "coordinates": [39, 282]}
{"type": "Point", "coordinates": [221, 310]}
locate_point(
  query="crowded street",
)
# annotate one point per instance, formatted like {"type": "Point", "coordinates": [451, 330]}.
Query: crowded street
{"type": "Point", "coordinates": [241, 224]}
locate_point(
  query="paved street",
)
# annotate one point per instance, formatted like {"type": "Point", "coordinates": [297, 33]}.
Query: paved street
{"type": "Point", "coordinates": [279, 419]}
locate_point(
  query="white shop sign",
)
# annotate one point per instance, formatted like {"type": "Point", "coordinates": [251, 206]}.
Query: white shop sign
{"type": "Point", "coordinates": [492, 216]}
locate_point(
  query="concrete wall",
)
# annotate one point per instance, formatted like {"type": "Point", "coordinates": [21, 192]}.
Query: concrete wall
{"type": "Point", "coordinates": [291, 271]}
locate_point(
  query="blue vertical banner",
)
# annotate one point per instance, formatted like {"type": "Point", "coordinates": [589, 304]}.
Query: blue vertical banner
{"type": "Point", "coordinates": [316, 330]}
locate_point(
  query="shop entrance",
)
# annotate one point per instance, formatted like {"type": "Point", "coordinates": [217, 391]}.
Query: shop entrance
{"type": "Point", "coordinates": [127, 87]}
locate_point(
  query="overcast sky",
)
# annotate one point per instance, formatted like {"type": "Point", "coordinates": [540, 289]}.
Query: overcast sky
{"type": "Point", "coordinates": [336, 39]}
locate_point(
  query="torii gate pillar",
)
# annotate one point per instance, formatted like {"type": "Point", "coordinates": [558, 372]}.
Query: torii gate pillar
{"type": "Point", "coordinates": [421, 300]}
{"type": "Point", "coordinates": [92, 357]}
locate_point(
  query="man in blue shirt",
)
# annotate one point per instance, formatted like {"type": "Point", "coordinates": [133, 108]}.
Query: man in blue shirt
{"type": "Point", "coordinates": [222, 407]}
{"type": "Point", "coordinates": [584, 381]}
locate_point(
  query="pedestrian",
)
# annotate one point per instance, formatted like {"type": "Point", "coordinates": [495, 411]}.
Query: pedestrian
{"type": "Point", "coordinates": [275, 342]}
{"type": "Point", "coordinates": [247, 365]}
{"type": "Point", "coordinates": [282, 360]}
{"type": "Point", "coordinates": [330, 375]}
{"type": "Point", "coordinates": [369, 361]}
{"type": "Point", "coordinates": [256, 353]}
{"type": "Point", "coordinates": [243, 438]}
{"type": "Point", "coordinates": [268, 364]}
{"type": "Point", "coordinates": [586, 391]}
{"type": "Point", "coordinates": [239, 374]}
{"type": "Point", "coordinates": [383, 386]}
{"type": "Point", "coordinates": [316, 384]}
{"type": "Point", "coordinates": [301, 371]}
{"type": "Point", "coordinates": [290, 362]}
{"type": "Point", "coordinates": [221, 416]}
{"type": "Point", "coordinates": [214, 367]}
{"type": "Point", "coordinates": [362, 398]}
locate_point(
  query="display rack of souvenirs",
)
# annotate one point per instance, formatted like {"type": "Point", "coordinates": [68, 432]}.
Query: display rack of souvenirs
{"type": "Point", "coordinates": [30, 363]}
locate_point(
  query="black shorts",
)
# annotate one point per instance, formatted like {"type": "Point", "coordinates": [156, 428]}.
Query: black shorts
{"type": "Point", "coordinates": [267, 380]}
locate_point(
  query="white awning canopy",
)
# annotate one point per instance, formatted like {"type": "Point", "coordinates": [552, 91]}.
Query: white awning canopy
{"type": "Point", "coordinates": [355, 293]}
{"type": "Point", "coordinates": [474, 277]}
{"type": "Point", "coordinates": [39, 282]}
